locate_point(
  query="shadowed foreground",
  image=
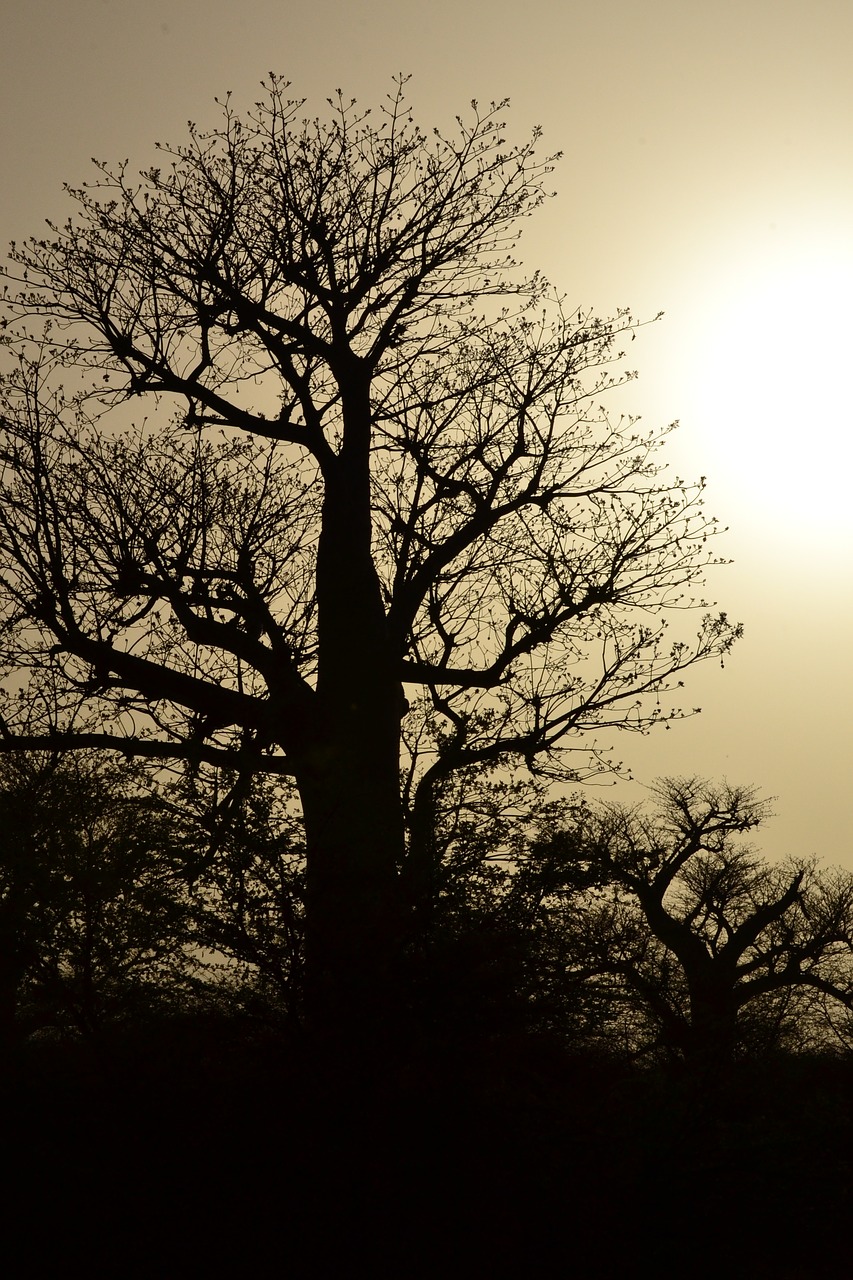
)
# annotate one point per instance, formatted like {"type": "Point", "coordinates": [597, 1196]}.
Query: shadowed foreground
{"type": "Point", "coordinates": [209, 1147]}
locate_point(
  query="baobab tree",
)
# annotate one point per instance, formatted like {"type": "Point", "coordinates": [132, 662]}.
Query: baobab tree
{"type": "Point", "coordinates": [710, 941]}
{"type": "Point", "coordinates": [369, 466]}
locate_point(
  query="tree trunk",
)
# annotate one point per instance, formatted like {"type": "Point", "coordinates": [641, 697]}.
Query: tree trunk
{"type": "Point", "coordinates": [349, 776]}
{"type": "Point", "coordinates": [12, 970]}
{"type": "Point", "coordinates": [354, 920]}
{"type": "Point", "coordinates": [9, 983]}
{"type": "Point", "coordinates": [713, 1031]}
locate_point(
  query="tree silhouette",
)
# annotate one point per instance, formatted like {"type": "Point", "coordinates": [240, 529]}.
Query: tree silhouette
{"type": "Point", "coordinates": [717, 947]}
{"type": "Point", "coordinates": [372, 458]}
{"type": "Point", "coordinates": [248, 890]}
{"type": "Point", "coordinates": [93, 909]}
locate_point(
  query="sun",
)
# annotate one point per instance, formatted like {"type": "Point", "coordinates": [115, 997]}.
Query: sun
{"type": "Point", "coordinates": [775, 420]}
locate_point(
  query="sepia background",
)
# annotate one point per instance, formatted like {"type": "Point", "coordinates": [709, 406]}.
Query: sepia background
{"type": "Point", "coordinates": [707, 172]}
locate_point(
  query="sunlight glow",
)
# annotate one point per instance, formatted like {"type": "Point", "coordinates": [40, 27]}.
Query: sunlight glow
{"type": "Point", "coordinates": [776, 416]}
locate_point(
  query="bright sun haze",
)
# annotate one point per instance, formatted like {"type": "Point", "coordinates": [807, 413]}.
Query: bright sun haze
{"type": "Point", "coordinates": [778, 419]}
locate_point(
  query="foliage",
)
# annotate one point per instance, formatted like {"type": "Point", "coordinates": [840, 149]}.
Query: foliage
{"type": "Point", "coordinates": [373, 458]}
{"type": "Point", "coordinates": [508, 516]}
{"type": "Point", "coordinates": [248, 888]}
{"type": "Point", "coordinates": [92, 895]}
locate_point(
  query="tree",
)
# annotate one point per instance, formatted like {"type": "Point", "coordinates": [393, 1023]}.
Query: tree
{"type": "Point", "coordinates": [384, 468]}
{"type": "Point", "coordinates": [93, 907]}
{"type": "Point", "coordinates": [248, 891]}
{"type": "Point", "coordinates": [717, 947]}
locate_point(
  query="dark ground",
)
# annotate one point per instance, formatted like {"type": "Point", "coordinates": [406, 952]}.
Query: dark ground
{"type": "Point", "coordinates": [192, 1149]}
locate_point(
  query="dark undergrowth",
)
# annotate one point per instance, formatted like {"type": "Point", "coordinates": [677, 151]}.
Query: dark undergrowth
{"type": "Point", "coordinates": [211, 1147]}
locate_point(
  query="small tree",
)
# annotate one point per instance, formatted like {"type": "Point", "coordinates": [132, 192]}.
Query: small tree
{"type": "Point", "coordinates": [93, 907]}
{"type": "Point", "coordinates": [248, 891]}
{"type": "Point", "coordinates": [717, 947]}
{"type": "Point", "coordinates": [373, 460]}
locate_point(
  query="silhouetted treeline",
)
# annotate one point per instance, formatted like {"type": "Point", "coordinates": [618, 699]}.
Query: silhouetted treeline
{"type": "Point", "coordinates": [614, 1019]}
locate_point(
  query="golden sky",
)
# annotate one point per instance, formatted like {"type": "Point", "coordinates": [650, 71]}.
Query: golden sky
{"type": "Point", "coordinates": [707, 172]}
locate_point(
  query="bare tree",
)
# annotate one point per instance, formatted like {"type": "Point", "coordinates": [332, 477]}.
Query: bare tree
{"type": "Point", "coordinates": [373, 459]}
{"type": "Point", "coordinates": [716, 945]}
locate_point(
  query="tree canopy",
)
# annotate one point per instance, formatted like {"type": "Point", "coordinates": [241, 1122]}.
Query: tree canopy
{"type": "Point", "coordinates": [719, 949]}
{"type": "Point", "coordinates": [94, 918]}
{"type": "Point", "coordinates": [369, 465]}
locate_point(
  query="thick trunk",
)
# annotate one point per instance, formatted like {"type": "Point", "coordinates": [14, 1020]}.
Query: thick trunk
{"type": "Point", "coordinates": [17, 952]}
{"type": "Point", "coordinates": [354, 914]}
{"type": "Point", "coordinates": [9, 983]}
{"type": "Point", "coordinates": [349, 778]}
{"type": "Point", "coordinates": [713, 1029]}
{"type": "Point", "coordinates": [12, 970]}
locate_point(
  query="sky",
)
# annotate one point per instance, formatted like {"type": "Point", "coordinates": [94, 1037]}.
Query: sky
{"type": "Point", "coordinates": [707, 172]}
